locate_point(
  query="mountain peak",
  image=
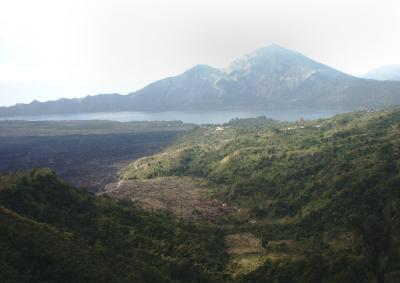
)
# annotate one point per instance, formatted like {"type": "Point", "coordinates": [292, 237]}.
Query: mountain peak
{"type": "Point", "coordinates": [271, 54]}
{"type": "Point", "coordinates": [273, 47]}
{"type": "Point", "coordinates": [201, 70]}
{"type": "Point", "coordinates": [283, 64]}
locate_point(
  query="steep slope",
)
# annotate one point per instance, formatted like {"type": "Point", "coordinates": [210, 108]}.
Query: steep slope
{"type": "Point", "coordinates": [272, 77]}
{"type": "Point", "coordinates": [384, 73]}
{"type": "Point", "coordinates": [195, 86]}
{"type": "Point", "coordinates": [276, 75]}
{"type": "Point", "coordinates": [269, 76]}
{"type": "Point", "coordinates": [307, 171]}
{"type": "Point", "coordinates": [307, 186]}
{"type": "Point", "coordinates": [51, 232]}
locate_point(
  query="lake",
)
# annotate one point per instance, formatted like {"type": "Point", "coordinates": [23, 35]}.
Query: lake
{"type": "Point", "coordinates": [197, 117]}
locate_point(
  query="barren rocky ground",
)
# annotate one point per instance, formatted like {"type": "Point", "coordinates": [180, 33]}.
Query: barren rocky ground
{"type": "Point", "coordinates": [87, 154]}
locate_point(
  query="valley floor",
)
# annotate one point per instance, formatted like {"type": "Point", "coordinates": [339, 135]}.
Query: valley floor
{"type": "Point", "coordinates": [87, 154]}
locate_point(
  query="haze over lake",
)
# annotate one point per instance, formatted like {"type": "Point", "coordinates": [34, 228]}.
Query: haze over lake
{"type": "Point", "coordinates": [197, 117]}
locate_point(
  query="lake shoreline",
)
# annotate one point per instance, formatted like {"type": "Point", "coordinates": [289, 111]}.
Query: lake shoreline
{"type": "Point", "coordinates": [196, 117]}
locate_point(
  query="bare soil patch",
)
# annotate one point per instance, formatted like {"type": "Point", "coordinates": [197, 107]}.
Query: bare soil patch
{"type": "Point", "coordinates": [243, 243]}
{"type": "Point", "coordinates": [182, 196]}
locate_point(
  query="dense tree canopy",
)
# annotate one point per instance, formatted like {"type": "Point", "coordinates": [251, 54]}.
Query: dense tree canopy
{"type": "Point", "coordinates": [51, 232]}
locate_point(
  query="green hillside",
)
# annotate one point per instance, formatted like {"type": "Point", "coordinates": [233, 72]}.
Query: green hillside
{"type": "Point", "coordinates": [51, 232]}
{"type": "Point", "coordinates": [319, 202]}
{"type": "Point", "coordinates": [317, 184]}
{"type": "Point", "coordinates": [288, 170]}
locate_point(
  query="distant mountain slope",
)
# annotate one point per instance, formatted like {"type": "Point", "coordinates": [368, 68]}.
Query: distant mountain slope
{"type": "Point", "coordinates": [272, 77]}
{"type": "Point", "coordinates": [384, 73]}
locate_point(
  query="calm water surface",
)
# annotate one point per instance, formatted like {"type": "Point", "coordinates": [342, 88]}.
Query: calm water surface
{"type": "Point", "coordinates": [197, 117]}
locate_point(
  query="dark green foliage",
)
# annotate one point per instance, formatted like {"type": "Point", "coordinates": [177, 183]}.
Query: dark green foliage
{"type": "Point", "coordinates": [378, 236]}
{"type": "Point", "coordinates": [317, 171]}
{"type": "Point", "coordinates": [306, 180]}
{"type": "Point", "coordinates": [315, 268]}
{"type": "Point", "coordinates": [51, 232]}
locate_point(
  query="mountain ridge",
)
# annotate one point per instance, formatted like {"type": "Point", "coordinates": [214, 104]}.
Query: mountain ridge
{"type": "Point", "coordinates": [271, 77]}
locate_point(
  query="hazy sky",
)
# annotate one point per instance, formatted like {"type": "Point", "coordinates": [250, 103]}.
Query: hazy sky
{"type": "Point", "coordinates": [56, 48]}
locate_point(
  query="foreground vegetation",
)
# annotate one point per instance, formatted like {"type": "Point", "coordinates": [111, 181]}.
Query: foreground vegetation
{"type": "Point", "coordinates": [51, 232]}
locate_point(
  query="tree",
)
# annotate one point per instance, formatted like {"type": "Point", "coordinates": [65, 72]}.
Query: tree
{"type": "Point", "coordinates": [376, 234]}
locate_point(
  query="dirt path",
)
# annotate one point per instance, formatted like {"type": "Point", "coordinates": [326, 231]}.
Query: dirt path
{"type": "Point", "coordinates": [181, 196]}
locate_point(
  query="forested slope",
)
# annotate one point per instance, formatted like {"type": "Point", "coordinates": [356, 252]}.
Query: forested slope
{"type": "Point", "coordinates": [51, 232]}
{"type": "Point", "coordinates": [322, 186]}
{"type": "Point", "coordinates": [288, 169]}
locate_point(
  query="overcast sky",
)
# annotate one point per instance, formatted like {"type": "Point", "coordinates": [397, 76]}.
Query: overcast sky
{"type": "Point", "coordinates": [56, 48]}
